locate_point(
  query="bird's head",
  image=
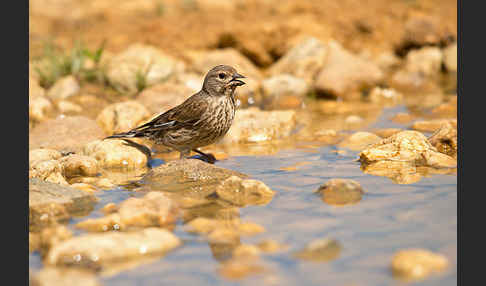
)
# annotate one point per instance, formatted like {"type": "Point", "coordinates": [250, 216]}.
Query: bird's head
{"type": "Point", "coordinates": [222, 80]}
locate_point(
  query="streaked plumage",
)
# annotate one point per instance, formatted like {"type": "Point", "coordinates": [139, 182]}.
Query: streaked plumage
{"type": "Point", "coordinates": [200, 120]}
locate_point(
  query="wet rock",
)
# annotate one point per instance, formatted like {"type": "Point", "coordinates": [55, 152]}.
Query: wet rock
{"type": "Point", "coordinates": [69, 133]}
{"type": "Point", "coordinates": [101, 183]}
{"type": "Point", "coordinates": [53, 235]}
{"type": "Point", "coordinates": [92, 250]}
{"type": "Point", "coordinates": [246, 250]}
{"type": "Point", "coordinates": [344, 72]}
{"type": "Point", "coordinates": [248, 94]}
{"type": "Point", "coordinates": [320, 250]}
{"type": "Point", "coordinates": [126, 69]}
{"type": "Point", "coordinates": [228, 226]}
{"type": "Point", "coordinates": [359, 140]}
{"type": "Point", "coordinates": [122, 116]}
{"type": "Point", "coordinates": [284, 92]}
{"type": "Point", "coordinates": [304, 60]}
{"type": "Point", "coordinates": [270, 246]}
{"type": "Point", "coordinates": [60, 276]}
{"type": "Point", "coordinates": [190, 177]}
{"type": "Point", "coordinates": [398, 172]}
{"type": "Point", "coordinates": [432, 125]}
{"type": "Point", "coordinates": [450, 57]}
{"type": "Point", "coordinates": [84, 187]}
{"type": "Point", "coordinates": [50, 171]}
{"type": "Point", "coordinates": [114, 153]}
{"type": "Point", "coordinates": [340, 192]}
{"type": "Point", "coordinates": [254, 125]}
{"type": "Point", "coordinates": [407, 146]}
{"type": "Point", "coordinates": [50, 203]}
{"type": "Point", "coordinates": [153, 209]}
{"type": "Point", "coordinates": [387, 132]}
{"type": "Point", "coordinates": [75, 165]}
{"type": "Point", "coordinates": [242, 192]}
{"type": "Point", "coordinates": [162, 97]}
{"type": "Point", "coordinates": [417, 263]}
{"type": "Point", "coordinates": [240, 268]}
{"type": "Point", "coordinates": [40, 155]}
{"type": "Point", "coordinates": [445, 139]}
{"type": "Point", "coordinates": [67, 107]}
{"type": "Point", "coordinates": [63, 88]}
{"type": "Point", "coordinates": [386, 96]}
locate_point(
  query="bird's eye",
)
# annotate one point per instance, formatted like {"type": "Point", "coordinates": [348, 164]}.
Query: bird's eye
{"type": "Point", "coordinates": [222, 75]}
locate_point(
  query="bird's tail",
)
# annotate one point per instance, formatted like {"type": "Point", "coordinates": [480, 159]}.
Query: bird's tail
{"type": "Point", "coordinates": [129, 134]}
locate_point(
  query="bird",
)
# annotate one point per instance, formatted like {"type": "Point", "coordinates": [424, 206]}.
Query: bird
{"type": "Point", "coordinates": [202, 119]}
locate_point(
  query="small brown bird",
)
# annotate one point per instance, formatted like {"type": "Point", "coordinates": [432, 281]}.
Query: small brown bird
{"type": "Point", "coordinates": [200, 120]}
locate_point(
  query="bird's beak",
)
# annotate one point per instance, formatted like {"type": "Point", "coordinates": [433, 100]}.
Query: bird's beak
{"type": "Point", "coordinates": [235, 80]}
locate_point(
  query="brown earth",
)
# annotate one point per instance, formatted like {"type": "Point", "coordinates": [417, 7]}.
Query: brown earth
{"type": "Point", "coordinates": [261, 30]}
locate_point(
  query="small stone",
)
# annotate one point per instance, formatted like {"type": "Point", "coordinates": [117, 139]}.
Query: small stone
{"type": "Point", "coordinates": [113, 153]}
{"type": "Point", "coordinates": [353, 119]}
{"type": "Point", "coordinates": [53, 235]}
{"type": "Point", "coordinates": [270, 246]}
{"type": "Point", "coordinates": [40, 155]}
{"type": "Point", "coordinates": [407, 146]}
{"type": "Point", "coordinates": [125, 70]}
{"type": "Point", "coordinates": [50, 171]}
{"type": "Point", "coordinates": [50, 203]}
{"type": "Point", "coordinates": [246, 250]}
{"type": "Point", "coordinates": [96, 249]}
{"type": "Point", "coordinates": [68, 107]}
{"type": "Point", "coordinates": [63, 88]}
{"type": "Point", "coordinates": [154, 209]}
{"type": "Point", "coordinates": [320, 250]}
{"type": "Point", "coordinates": [60, 276]}
{"type": "Point", "coordinates": [359, 140]}
{"type": "Point", "coordinates": [386, 96]}
{"type": "Point", "coordinates": [447, 109]}
{"type": "Point", "coordinates": [122, 116]}
{"type": "Point", "coordinates": [445, 139]}
{"type": "Point", "coordinates": [417, 263]}
{"type": "Point", "coordinates": [387, 132]}
{"type": "Point", "coordinates": [75, 165]}
{"type": "Point", "coordinates": [242, 192]}
{"type": "Point", "coordinates": [240, 268]}
{"type": "Point", "coordinates": [402, 118]}
{"type": "Point", "coordinates": [85, 187]}
{"type": "Point", "coordinates": [340, 192]}
{"type": "Point", "coordinates": [39, 107]}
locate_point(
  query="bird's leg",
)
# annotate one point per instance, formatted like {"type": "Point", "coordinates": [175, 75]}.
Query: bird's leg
{"type": "Point", "coordinates": [210, 157]}
{"type": "Point", "coordinates": [184, 154]}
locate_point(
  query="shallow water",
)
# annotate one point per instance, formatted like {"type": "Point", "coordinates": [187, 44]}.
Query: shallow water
{"type": "Point", "coordinates": [389, 217]}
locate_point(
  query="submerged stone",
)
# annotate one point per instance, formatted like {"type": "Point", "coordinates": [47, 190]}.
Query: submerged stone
{"type": "Point", "coordinates": [417, 263]}
{"type": "Point", "coordinates": [320, 250]}
{"type": "Point", "coordinates": [61, 276]}
{"type": "Point", "coordinates": [243, 192]}
{"type": "Point", "coordinates": [50, 203]}
{"type": "Point", "coordinates": [341, 192]}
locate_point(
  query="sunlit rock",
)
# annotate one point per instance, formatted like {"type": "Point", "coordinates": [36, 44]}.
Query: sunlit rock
{"type": "Point", "coordinates": [79, 165]}
{"type": "Point", "coordinates": [153, 209]}
{"type": "Point", "coordinates": [432, 125]}
{"type": "Point", "coordinates": [243, 192]}
{"type": "Point", "coordinates": [140, 65]}
{"type": "Point", "coordinates": [407, 146]}
{"type": "Point", "coordinates": [115, 153]}
{"type": "Point", "coordinates": [50, 203]}
{"type": "Point", "coordinates": [417, 263]}
{"type": "Point", "coordinates": [63, 88]}
{"type": "Point", "coordinates": [359, 140]}
{"type": "Point", "coordinates": [122, 116]}
{"type": "Point", "coordinates": [445, 139]}
{"type": "Point", "coordinates": [60, 276]}
{"type": "Point", "coordinates": [284, 91]}
{"type": "Point", "coordinates": [320, 250]}
{"type": "Point", "coordinates": [96, 249]}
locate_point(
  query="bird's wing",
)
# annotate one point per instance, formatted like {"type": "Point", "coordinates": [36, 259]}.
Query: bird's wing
{"type": "Point", "coordinates": [187, 113]}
